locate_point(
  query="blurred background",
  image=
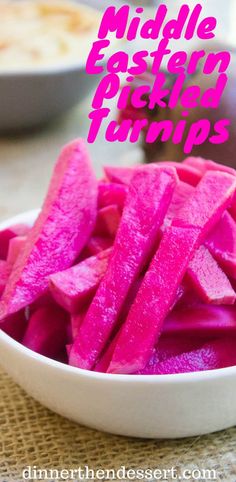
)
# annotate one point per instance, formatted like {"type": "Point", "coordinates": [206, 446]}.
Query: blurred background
{"type": "Point", "coordinates": [43, 106]}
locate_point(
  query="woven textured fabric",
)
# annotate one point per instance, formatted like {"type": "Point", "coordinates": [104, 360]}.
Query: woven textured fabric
{"type": "Point", "coordinates": [32, 435]}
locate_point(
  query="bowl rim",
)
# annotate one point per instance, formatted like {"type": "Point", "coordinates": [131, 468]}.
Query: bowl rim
{"type": "Point", "coordinates": [43, 71]}
{"type": "Point", "coordinates": [206, 375]}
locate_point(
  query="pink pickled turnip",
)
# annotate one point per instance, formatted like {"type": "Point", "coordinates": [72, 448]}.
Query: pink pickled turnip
{"type": "Point", "coordinates": [108, 220]}
{"type": "Point", "coordinates": [208, 202]}
{"type": "Point", "coordinates": [124, 175]}
{"type": "Point", "coordinates": [111, 193]}
{"type": "Point", "coordinates": [208, 279]}
{"type": "Point", "coordinates": [16, 245]}
{"type": "Point", "coordinates": [104, 361]}
{"type": "Point", "coordinates": [44, 300]}
{"type": "Point", "coordinates": [76, 322]}
{"type": "Point", "coordinates": [181, 194]}
{"type": "Point", "coordinates": [5, 271]}
{"type": "Point", "coordinates": [204, 165]}
{"type": "Point", "coordinates": [96, 244]}
{"type": "Point", "coordinates": [68, 349]}
{"type": "Point", "coordinates": [15, 325]}
{"type": "Point", "coordinates": [74, 287]}
{"type": "Point", "coordinates": [201, 320]}
{"type": "Point", "coordinates": [211, 356]}
{"type": "Point", "coordinates": [221, 243]}
{"type": "Point", "coordinates": [158, 291]}
{"type": "Point", "coordinates": [147, 202]}
{"type": "Point", "coordinates": [187, 174]}
{"type": "Point", "coordinates": [47, 331]}
{"type": "Point", "coordinates": [232, 208]}
{"type": "Point", "coordinates": [155, 298]}
{"type": "Point", "coordinates": [170, 346]}
{"type": "Point", "coordinates": [181, 293]}
{"type": "Point", "coordinates": [60, 232]}
{"type": "Point", "coordinates": [9, 233]}
{"type": "Point", "coordinates": [120, 175]}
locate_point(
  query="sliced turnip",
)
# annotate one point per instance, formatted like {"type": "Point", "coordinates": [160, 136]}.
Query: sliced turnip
{"type": "Point", "coordinates": [168, 267]}
{"type": "Point", "coordinates": [5, 271]}
{"type": "Point", "coordinates": [104, 361]}
{"type": "Point", "coordinates": [76, 322]}
{"type": "Point", "coordinates": [60, 232]}
{"type": "Point", "coordinates": [68, 349]}
{"type": "Point", "coordinates": [181, 194]}
{"type": "Point", "coordinates": [47, 331]}
{"type": "Point", "coordinates": [147, 202]}
{"type": "Point", "coordinates": [108, 220]}
{"type": "Point", "coordinates": [212, 356]}
{"type": "Point", "coordinates": [222, 247]}
{"type": "Point", "coordinates": [120, 175]}
{"type": "Point", "coordinates": [221, 242]}
{"type": "Point", "coordinates": [124, 175]}
{"type": "Point", "coordinates": [233, 207]}
{"type": "Point", "coordinates": [209, 280]}
{"type": "Point", "coordinates": [111, 193]}
{"type": "Point", "coordinates": [156, 296]}
{"type": "Point", "coordinates": [168, 346]}
{"type": "Point", "coordinates": [187, 174]}
{"type": "Point", "coordinates": [15, 325]}
{"type": "Point", "coordinates": [204, 165]}
{"type": "Point", "coordinates": [9, 233]}
{"type": "Point", "coordinates": [16, 245]}
{"type": "Point", "coordinates": [96, 244]}
{"type": "Point", "coordinates": [171, 346]}
{"type": "Point", "coordinates": [208, 202]}
{"type": "Point", "coordinates": [207, 277]}
{"type": "Point", "coordinates": [44, 300]}
{"type": "Point", "coordinates": [75, 287]}
{"type": "Point", "coordinates": [201, 320]}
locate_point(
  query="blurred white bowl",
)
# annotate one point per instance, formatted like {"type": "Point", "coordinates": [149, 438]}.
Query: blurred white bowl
{"type": "Point", "coordinates": [166, 406]}
{"type": "Point", "coordinates": [31, 98]}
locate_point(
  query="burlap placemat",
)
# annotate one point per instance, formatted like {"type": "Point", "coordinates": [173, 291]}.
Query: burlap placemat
{"type": "Point", "coordinates": [32, 435]}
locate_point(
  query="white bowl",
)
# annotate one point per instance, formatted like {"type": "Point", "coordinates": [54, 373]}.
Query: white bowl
{"type": "Point", "coordinates": [166, 406]}
{"type": "Point", "coordinates": [30, 98]}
